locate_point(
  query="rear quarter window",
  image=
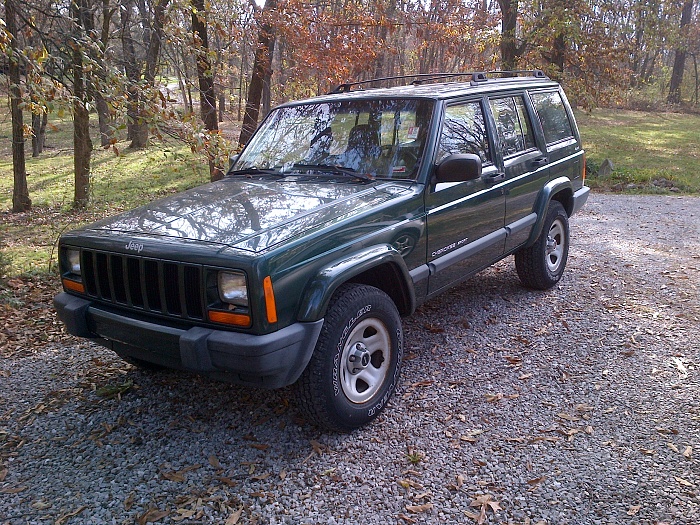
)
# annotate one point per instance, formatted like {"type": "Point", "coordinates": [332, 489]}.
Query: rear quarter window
{"type": "Point", "coordinates": [553, 116]}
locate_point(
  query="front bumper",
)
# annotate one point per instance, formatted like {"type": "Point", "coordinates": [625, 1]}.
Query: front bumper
{"type": "Point", "coordinates": [269, 361]}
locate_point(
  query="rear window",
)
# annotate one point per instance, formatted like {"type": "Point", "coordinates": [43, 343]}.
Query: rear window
{"type": "Point", "coordinates": [553, 116]}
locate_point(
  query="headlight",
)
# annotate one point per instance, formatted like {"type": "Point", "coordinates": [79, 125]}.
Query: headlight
{"type": "Point", "coordinates": [233, 289]}
{"type": "Point", "coordinates": [73, 261]}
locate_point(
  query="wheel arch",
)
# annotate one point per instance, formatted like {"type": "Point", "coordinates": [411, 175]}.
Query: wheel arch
{"type": "Point", "coordinates": [559, 189]}
{"type": "Point", "coordinates": [379, 266]}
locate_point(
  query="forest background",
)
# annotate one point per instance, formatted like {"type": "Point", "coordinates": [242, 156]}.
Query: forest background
{"type": "Point", "coordinates": [167, 87]}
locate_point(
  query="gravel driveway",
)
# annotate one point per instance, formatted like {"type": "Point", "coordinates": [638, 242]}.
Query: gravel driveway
{"type": "Point", "coordinates": [574, 406]}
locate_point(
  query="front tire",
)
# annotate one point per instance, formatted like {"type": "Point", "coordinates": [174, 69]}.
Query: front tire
{"type": "Point", "coordinates": [541, 265]}
{"type": "Point", "coordinates": [356, 364]}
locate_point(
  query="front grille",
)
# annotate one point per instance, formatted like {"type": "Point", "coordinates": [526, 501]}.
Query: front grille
{"type": "Point", "coordinates": [151, 285]}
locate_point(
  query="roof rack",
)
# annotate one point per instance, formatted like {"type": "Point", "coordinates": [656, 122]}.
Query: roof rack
{"type": "Point", "coordinates": [423, 78]}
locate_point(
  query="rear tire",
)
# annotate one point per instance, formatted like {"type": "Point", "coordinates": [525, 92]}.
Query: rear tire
{"type": "Point", "coordinates": [356, 364]}
{"type": "Point", "coordinates": [541, 265]}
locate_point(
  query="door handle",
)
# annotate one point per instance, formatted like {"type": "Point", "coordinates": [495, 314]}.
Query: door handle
{"type": "Point", "coordinates": [539, 162]}
{"type": "Point", "coordinates": [495, 177]}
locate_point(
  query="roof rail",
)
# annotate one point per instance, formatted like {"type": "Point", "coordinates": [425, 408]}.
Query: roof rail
{"type": "Point", "coordinates": [422, 78]}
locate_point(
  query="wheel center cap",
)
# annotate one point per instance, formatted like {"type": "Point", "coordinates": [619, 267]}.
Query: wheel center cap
{"type": "Point", "coordinates": [551, 244]}
{"type": "Point", "coordinates": [358, 358]}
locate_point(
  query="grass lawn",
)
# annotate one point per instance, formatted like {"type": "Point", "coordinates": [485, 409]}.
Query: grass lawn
{"type": "Point", "coordinates": [651, 152]}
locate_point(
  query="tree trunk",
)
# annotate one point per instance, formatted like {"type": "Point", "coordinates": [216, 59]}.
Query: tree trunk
{"type": "Point", "coordinates": [39, 121]}
{"type": "Point", "coordinates": [132, 72]}
{"type": "Point", "coordinates": [103, 113]}
{"type": "Point", "coordinates": [262, 73]}
{"type": "Point", "coordinates": [674, 92]}
{"type": "Point", "coordinates": [222, 104]}
{"type": "Point", "coordinates": [509, 47]}
{"type": "Point", "coordinates": [697, 80]}
{"type": "Point", "coordinates": [207, 97]}
{"type": "Point", "coordinates": [103, 119]}
{"type": "Point", "coordinates": [20, 192]}
{"type": "Point", "coordinates": [153, 37]}
{"type": "Point", "coordinates": [82, 145]}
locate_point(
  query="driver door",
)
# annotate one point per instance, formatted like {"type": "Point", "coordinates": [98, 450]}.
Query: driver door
{"type": "Point", "coordinates": [465, 219]}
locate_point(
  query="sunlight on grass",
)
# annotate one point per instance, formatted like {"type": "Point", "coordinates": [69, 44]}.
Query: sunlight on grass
{"type": "Point", "coordinates": [644, 148]}
{"type": "Point", "coordinates": [119, 182]}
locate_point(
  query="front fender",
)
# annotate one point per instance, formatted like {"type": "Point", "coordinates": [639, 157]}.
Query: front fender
{"type": "Point", "coordinates": [561, 187]}
{"type": "Point", "coordinates": [329, 279]}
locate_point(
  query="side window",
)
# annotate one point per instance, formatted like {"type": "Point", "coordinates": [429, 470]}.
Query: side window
{"type": "Point", "coordinates": [552, 114]}
{"type": "Point", "coordinates": [513, 125]}
{"type": "Point", "coordinates": [464, 131]}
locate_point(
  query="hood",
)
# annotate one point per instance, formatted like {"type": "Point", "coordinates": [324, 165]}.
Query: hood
{"type": "Point", "coordinates": [251, 215]}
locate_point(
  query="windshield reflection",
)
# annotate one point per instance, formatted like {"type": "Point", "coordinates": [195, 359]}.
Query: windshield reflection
{"type": "Point", "coordinates": [382, 138]}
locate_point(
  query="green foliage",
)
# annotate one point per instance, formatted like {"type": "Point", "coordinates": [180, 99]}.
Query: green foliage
{"type": "Point", "coordinates": [651, 152]}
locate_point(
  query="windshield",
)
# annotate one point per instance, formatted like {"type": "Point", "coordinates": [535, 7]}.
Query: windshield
{"type": "Point", "coordinates": [381, 138]}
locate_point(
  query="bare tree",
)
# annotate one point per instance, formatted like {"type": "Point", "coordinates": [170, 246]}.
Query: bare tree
{"type": "Point", "coordinates": [674, 92]}
{"type": "Point", "coordinates": [82, 144]}
{"type": "Point", "coordinates": [20, 194]}
{"type": "Point", "coordinates": [262, 73]}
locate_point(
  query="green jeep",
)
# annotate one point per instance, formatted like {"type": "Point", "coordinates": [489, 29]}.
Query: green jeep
{"type": "Point", "coordinates": [343, 213]}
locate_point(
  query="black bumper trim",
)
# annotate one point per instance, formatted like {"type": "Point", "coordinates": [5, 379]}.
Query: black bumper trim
{"type": "Point", "coordinates": [270, 361]}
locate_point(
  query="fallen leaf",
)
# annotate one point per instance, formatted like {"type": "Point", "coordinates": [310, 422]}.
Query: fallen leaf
{"type": "Point", "coordinates": [214, 462]}
{"type": "Point", "coordinates": [688, 452]}
{"type": "Point", "coordinates": [234, 517]}
{"type": "Point", "coordinates": [14, 490]}
{"type": "Point", "coordinates": [406, 518]}
{"type": "Point", "coordinates": [633, 510]}
{"type": "Point", "coordinates": [673, 447]}
{"type": "Point", "coordinates": [433, 329]}
{"type": "Point", "coordinates": [260, 446]}
{"type": "Point", "coordinates": [568, 417]}
{"type": "Point", "coordinates": [683, 482]}
{"type": "Point", "coordinates": [42, 504]}
{"type": "Point", "coordinates": [647, 451]}
{"type": "Point", "coordinates": [177, 477]}
{"type": "Point", "coordinates": [415, 509]}
{"type": "Point", "coordinates": [3, 474]}
{"type": "Point", "coordinates": [227, 481]}
{"type": "Point", "coordinates": [536, 481]}
{"type": "Point", "coordinates": [318, 448]}
{"type": "Point", "coordinates": [151, 515]}
{"type": "Point", "coordinates": [62, 519]}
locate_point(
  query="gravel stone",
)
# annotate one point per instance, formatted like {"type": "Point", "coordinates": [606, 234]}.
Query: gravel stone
{"type": "Point", "coordinates": [578, 405]}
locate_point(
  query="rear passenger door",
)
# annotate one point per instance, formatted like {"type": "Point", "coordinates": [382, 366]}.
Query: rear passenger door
{"type": "Point", "coordinates": [525, 163]}
{"type": "Point", "coordinates": [465, 219]}
{"type": "Point", "coordinates": [560, 134]}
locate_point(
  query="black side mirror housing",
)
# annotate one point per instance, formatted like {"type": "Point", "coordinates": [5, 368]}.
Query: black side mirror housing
{"type": "Point", "coordinates": [458, 168]}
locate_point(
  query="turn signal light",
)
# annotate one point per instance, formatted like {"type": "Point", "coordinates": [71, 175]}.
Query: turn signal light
{"type": "Point", "coordinates": [229, 318]}
{"type": "Point", "coordinates": [270, 306]}
{"type": "Point", "coordinates": [73, 286]}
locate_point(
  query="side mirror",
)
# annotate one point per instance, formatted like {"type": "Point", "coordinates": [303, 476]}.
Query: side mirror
{"type": "Point", "coordinates": [232, 160]}
{"type": "Point", "coordinates": [458, 168]}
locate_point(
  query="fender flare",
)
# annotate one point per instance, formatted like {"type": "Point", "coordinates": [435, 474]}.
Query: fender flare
{"type": "Point", "coordinates": [322, 287]}
{"type": "Point", "coordinates": [553, 187]}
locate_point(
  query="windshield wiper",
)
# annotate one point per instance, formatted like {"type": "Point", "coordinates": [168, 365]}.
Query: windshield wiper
{"type": "Point", "coordinates": [257, 171]}
{"type": "Point", "coordinates": [329, 168]}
